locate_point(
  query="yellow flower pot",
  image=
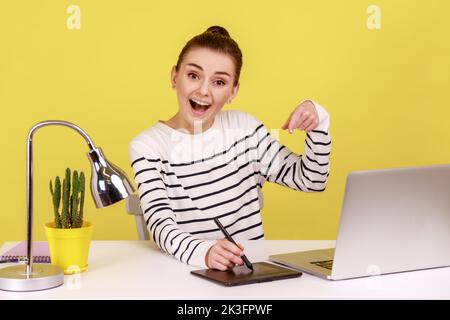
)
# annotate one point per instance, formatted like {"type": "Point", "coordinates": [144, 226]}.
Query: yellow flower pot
{"type": "Point", "coordinates": [69, 248]}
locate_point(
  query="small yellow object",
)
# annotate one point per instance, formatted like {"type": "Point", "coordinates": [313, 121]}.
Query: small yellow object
{"type": "Point", "coordinates": [69, 248]}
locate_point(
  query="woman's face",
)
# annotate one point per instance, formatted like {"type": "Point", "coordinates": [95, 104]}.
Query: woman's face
{"type": "Point", "coordinates": [204, 83]}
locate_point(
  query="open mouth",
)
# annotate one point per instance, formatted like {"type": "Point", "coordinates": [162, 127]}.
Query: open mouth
{"type": "Point", "coordinates": [199, 107]}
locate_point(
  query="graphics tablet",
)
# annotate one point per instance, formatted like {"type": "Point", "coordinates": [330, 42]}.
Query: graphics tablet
{"type": "Point", "coordinates": [262, 272]}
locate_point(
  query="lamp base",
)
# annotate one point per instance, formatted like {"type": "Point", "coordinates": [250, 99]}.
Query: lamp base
{"type": "Point", "coordinates": [44, 276]}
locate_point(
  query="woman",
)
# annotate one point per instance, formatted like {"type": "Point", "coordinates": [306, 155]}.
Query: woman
{"type": "Point", "coordinates": [206, 163]}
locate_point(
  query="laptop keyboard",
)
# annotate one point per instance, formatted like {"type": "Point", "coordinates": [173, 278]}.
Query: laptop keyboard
{"type": "Point", "coordinates": [327, 264]}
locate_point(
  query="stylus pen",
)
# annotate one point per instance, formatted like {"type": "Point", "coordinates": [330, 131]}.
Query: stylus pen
{"type": "Point", "coordinates": [229, 238]}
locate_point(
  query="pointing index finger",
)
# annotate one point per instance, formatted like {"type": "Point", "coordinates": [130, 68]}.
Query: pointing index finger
{"type": "Point", "coordinates": [294, 118]}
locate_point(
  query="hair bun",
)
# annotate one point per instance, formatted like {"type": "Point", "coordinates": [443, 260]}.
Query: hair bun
{"type": "Point", "coordinates": [219, 30]}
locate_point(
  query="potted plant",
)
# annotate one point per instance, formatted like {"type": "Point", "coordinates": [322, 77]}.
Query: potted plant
{"type": "Point", "coordinates": [69, 235]}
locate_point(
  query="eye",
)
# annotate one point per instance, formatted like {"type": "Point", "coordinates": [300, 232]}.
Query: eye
{"type": "Point", "coordinates": [192, 75]}
{"type": "Point", "coordinates": [220, 83]}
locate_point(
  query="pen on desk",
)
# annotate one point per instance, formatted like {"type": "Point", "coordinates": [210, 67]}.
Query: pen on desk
{"type": "Point", "coordinates": [229, 238]}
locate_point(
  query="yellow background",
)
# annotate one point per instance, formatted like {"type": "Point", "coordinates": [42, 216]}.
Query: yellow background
{"type": "Point", "coordinates": [387, 91]}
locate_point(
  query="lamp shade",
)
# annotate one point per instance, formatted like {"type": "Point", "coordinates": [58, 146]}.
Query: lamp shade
{"type": "Point", "coordinates": [109, 183]}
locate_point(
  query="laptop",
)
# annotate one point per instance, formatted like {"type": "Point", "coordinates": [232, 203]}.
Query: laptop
{"type": "Point", "coordinates": [392, 220]}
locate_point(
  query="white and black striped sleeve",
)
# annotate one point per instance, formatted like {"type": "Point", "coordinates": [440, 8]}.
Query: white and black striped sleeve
{"type": "Point", "coordinates": [307, 172]}
{"type": "Point", "coordinates": [158, 214]}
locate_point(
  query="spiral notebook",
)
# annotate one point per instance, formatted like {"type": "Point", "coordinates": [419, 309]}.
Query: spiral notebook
{"type": "Point", "coordinates": [40, 253]}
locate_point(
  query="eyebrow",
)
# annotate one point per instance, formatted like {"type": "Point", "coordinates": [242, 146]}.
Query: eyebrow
{"type": "Point", "coordinates": [217, 72]}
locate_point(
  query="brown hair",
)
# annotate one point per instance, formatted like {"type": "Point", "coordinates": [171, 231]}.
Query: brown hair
{"type": "Point", "coordinates": [215, 38]}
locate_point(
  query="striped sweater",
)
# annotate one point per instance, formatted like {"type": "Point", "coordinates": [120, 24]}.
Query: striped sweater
{"type": "Point", "coordinates": [186, 180]}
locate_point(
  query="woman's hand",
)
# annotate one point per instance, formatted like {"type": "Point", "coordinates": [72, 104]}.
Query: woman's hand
{"type": "Point", "coordinates": [224, 255]}
{"type": "Point", "coordinates": [304, 117]}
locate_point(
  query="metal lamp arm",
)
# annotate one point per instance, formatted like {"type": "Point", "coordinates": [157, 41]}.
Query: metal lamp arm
{"type": "Point", "coordinates": [30, 179]}
{"type": "Point", "coordinates": [62, 123]}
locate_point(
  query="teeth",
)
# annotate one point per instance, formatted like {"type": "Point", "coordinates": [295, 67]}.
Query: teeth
{"type": "Point", "coordinates": [202, 103]}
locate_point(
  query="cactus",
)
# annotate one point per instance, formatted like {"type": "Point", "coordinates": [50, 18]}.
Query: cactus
{"type": "Point", "coordinates": [56, 196]}
{"type": "Point", "coordinates": [82, 183]}
{"type": "Point", "coordinates": [74, 200]}
{"type": "Point", "coordinates": [65, 213]}
{"type": "Point", "coordinates": [71, 215]}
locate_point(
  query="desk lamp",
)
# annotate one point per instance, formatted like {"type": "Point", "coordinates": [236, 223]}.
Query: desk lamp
{"type": "Point", "coordinates": [109, 184]}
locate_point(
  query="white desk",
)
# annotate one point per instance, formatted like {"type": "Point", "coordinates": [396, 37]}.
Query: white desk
{"type": "Point", "coordinates": [139, 270]}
